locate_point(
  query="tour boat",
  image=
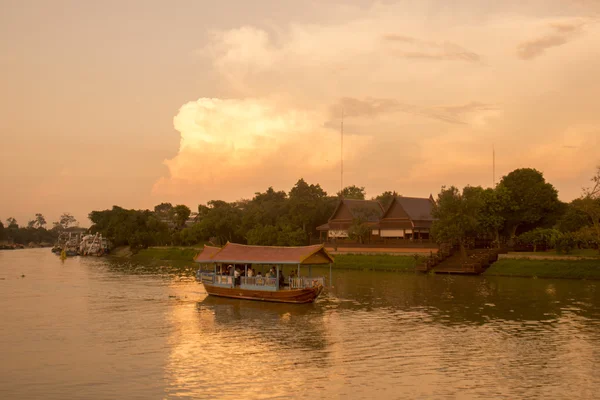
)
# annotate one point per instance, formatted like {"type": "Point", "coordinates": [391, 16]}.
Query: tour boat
{"type": "Point", "coordinates": [218, 267]}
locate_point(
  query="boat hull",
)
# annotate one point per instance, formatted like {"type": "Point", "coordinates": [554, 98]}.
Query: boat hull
{"type": "Point", "coordinates": [297, 296]}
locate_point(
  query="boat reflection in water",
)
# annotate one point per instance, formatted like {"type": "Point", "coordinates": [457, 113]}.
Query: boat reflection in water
{"type": "Point", "coordinates": [229, 272]}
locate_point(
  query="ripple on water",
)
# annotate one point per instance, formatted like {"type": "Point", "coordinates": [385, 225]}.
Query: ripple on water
{"type": "Point", "coordinates": [98, 330]}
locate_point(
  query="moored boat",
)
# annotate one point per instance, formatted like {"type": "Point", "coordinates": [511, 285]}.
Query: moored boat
{"type": "Point", "coordinates": [229, 272]}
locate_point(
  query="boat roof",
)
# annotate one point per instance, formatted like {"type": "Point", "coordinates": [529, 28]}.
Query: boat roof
{"type": "Point", "coordinates": [235, 253]}
{"type": "Point", "coordinates": [205, 255]}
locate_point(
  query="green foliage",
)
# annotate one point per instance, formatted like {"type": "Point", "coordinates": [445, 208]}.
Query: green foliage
{"type": "Point", "coordinates": [24, 236]}
{"type": "Point", "coordinates": [586, 238]}
{"type": "Point", "coordinates": [352, 192]}
{"type": "Point", "coordinates": [386, 198]}
{"type": "Point", "coordinates": [540, 237]}
{"type": "Point", "coordinates": [180, 215]}
{"type": "Point", "coordinates": [529, 199]}
{"type": "Point", "coordinates": [381, 262]}
{"type": "Point", "coordinates": [308, 206]}
{"type": "Point", "coordinates": [11, 223]}
{"type": "Point", "coordinates": [457, 215]}
{"type": "Point", "coordinates": [264, 235]}
{"type": "Point", "coordinates": [359, 230]}
{"type": "Point", "coordinates": [589, 203]}
{"type": "Point", "coordinates": [222, 220]}
{"type": "Point", "coordinates": [579, 269]}
{"type": "Point", "coordinates": [574, 218]}
{"type": "Point", "coordinates": [565, 243]}
{"type": "Point", "coordinates": [136, 228]}
{"type": "Point", "coordinates": [67, 220]}
{"type": "Point", "coordinates": [490, 217]}
{"type": "Point", "coordinates": [270, 235]}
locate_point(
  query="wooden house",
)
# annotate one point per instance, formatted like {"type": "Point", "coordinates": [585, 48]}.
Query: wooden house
{"type": "Point", "coordinates": [407, 218]}
{"type": "Point", "coordinates": [345, 213]}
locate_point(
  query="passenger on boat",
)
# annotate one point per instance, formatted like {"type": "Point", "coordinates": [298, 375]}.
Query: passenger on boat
{"type": "Point", "coordinates": [250, 272]}
{"type": "Point", "coordinates": [281, 279]}
{"type": "Point", "coordinates": [237, 275]}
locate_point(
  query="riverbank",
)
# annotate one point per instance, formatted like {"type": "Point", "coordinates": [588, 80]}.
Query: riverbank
{"type": "Point", "coordinates": [539, 267]}
{"type": "Point", "coordinates": [546, 268]}
{"type": "Point", "coordinates": [369, 262]}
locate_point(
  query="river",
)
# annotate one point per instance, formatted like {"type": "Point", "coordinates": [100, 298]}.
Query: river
{"type": "Point", "coordinates": [90, 328]}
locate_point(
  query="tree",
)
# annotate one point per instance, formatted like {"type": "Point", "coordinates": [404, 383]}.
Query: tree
{"type": "Point", "coordinates": [359, 229]}
{"type": "Point", "coordinates": [490, 218]}
{"type": "Point", "coordinates": [386, 198]}
{"type": "Point", "coordinates": [457, 215]}
{"type": "Point", "coordinates": [39, 221]}
{"type": "Point", "coordinates": [222, 220]}
{"type": "Point", "coordinates": [267, 208]}
{"type": "Point", "coordinates": [180, 214]}
{"type": "Point", "coordinates": [11, 223]}
{"type": "Point", "coordinates": [530, 198]}
{"type": "Point", "coordinates": [307, 206]}
{"type": "Point", "coordinates": [589, 203]}
{"type": "Point", "coordinates": [163, 209]}
{"type": "Point", "coordinates": [573, 219]}
{"type": "Point", "coordinates": [2, 233]}
{"type": "Point", "coordinates": [540, 237]}
{"type": "Point", "coordinates": [67, 220]}
{"type": "Point", "coordinates": [352, 192]}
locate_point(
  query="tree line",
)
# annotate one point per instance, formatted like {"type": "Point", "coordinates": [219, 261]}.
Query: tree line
{"type": "Point", "coordinates": [522, 209]}
{"type": "Point", "coordinates": [35, 230]}
{"type": "Point", "coordinates": [275, 218]}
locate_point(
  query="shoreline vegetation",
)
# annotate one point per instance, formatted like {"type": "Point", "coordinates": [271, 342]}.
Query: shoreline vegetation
{"type": "Point", "coordinates": [524, 265]}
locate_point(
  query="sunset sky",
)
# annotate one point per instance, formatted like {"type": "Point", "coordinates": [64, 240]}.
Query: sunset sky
{"type": "Point", "coordinates": [138, 102]}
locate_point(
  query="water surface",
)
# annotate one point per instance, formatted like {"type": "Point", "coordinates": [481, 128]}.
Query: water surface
{"type": "Point", "coordinates": [90, 328]}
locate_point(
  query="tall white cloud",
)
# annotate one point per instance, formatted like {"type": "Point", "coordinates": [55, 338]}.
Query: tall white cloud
{"type": "Point", "coordinates": [428, 90]}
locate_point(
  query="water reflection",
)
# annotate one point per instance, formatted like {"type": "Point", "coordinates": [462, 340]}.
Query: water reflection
{"type": "Point", "coordinates": [92, 328]}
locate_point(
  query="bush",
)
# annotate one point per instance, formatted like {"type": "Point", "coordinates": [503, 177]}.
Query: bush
{"type": "Point", "coordinates": [565, 243]}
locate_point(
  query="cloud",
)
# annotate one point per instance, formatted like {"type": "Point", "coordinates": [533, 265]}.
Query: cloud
{"type": "Point", "coordinates": [373, 107]}
{"type": "Point", "coordinates": [224, 142]}
{"type": "Point", "coordinates": [561, 33]}
{"type": "Point", "coordinates": [410, 126]}
{"type": "Point", "coordinates": [410, 47]}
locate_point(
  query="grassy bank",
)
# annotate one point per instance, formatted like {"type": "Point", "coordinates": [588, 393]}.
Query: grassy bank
{"type": "Point", "coordinates": [562, 269]}
{"type": "Point", "coordinates": [380, 262]}
{"type": "Point", "coordinates": [166, 254]}
{"type": "Point", "coordinates": [375, 262]}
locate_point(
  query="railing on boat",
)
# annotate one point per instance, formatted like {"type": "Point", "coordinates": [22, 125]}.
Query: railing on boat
{"type": "Point", "coordinates": [258, 281]}
{"type": "Point", "coordinates": [306, 282]}
{"type": "Point", "coordinates": [210, 277]}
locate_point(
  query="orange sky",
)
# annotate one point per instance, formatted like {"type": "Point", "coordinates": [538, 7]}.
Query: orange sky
{"type": "Point", "coordinates": [138, 102]}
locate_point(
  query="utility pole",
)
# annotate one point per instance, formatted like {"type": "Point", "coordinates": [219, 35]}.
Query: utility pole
{"type": "Point", "coordinates": [342, 153]}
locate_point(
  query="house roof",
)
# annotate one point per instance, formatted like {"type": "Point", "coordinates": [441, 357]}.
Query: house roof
{"type": "Point", "coordinates": [324, 227]}
{"type": "Point", "coordinates": [372, 208]}
{"type": "Point", "coordinates": [417, 208]}
{"type": "Point", "coordinates": [205, 255]}
{"type": "Point", "coordinates": [244, 254]}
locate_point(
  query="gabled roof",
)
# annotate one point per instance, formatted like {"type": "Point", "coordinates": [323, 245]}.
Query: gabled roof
{"type": "Point", "coordinates": [417, 208]}
{"type": "Point", "coordinates": [372, 208]}
{"type": "Point", "coordinates": [244, 254]}
{"type": "Point", "coordinates": [205, 255]}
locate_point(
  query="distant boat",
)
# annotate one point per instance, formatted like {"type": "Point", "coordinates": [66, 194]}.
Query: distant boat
{"type": "Point", "coordinates": [224, 272]}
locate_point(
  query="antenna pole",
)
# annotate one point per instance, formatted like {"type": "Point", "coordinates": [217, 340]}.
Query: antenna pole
{"type": "Point", "coordinates": [342, 153]}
